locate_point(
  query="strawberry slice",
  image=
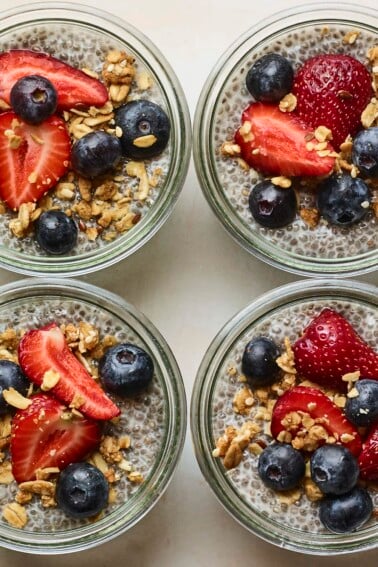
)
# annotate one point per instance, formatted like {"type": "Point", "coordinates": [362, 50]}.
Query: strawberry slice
{"type": "Point", "coordinates": [45, 349]}
{"type": "Point", "coordinates": [47, 435]}
{"type": "Point", "coordinates": [74, 87]}
{"type": "Point", "coordinates": [368, 459]}
{"type": "Point", "coordinates": [275, 143]}
{"type": "Point", "coordinates": [32, 158]}
{"type": "Point", "coordinates": [332, 91]}
{"type": "Point", "coordinates": [330, 348]}
{"type": "Point", "coordinates": [312, 402]}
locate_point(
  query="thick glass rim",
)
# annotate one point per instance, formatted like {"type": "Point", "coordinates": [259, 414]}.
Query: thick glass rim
{"type": "Point", "coordinates": [203, 154]}
{"type": "Point", "coordinates": [106, 24]}
{"type": "Point", "coordinates": [213, 471]}
{"type": "Point", "coordinates": [128, 514]}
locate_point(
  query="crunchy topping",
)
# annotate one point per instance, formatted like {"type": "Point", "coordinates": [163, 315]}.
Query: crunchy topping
{"type": "Point", "coordinates": [351, 36]}
{"type": "Point", "coordinates": [369, 116]}
{"type": "Point", "coordinates": [245, 131]}
{"type": "Point", "coordinates": [15, 399]}
{"type": "Point", "coordinates": [230, 149]}
{"type": "Point", "coordinates": [6, 476]}
{"type": "Point", "coordinates": [286, 361]}
{"type": "Point", "coordinates": [15, 515]}
{"type": "Point", "coordinates": [312, 491]}
{"type": "Point", "coordinates": [232, 444]}
{"type": "Point", "coordinates": [281, 181]}
{"type": "Point", "coordinates": [323, 134]}
{"type": "Point", "coordinates": [243, 401]}
{"type": "Point", "coordinates": [27, 213]}
{"type": "Point", "coordinates": [310, 216]}
{"type": "Point", "coordinates": [289, 496]}
{"type": "Point", "coordinates": [138, 169]}
{"type": "Point", "coordinates": [288, 103]}
{"type": "Point", "coordinates": [50, 379]}
{"type": "Point", "coordinates": [145, 141]}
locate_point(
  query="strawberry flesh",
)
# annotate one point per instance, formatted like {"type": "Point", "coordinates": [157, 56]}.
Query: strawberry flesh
{"type": "Point", "coordinates": [45, 349]}
{"type": "Point", "coordinates": [331, 348]}
{"type": "Point", "coordinates": [313, 402]}
{"type": "Point", "coordinates": [74, 88]}
{"type": "Point", "coordinates": [332, 91]}
{"type": "Point", "coordinates": [275, 143]}
{"type": "Point", "coordinates": [368, 459]}
{"type": "Point", "coordinates": [42, 436]}
{"type": "Point", "coordinates": [32, 158]}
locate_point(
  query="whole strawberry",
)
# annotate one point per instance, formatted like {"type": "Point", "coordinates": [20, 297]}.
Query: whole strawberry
{"type": "Point", "coordinates": [332, 91]}
{"type": "Point", "coordinates": [330, 348]}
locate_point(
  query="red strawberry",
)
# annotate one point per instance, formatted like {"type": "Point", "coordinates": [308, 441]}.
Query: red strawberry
{"type": "Point", "coordinates": [32, 158]}
{"type": "Point", "coordinates": [330, 348]}
{"type": "Point", "coordinates": [41, 437]}
{"type": "Point", "coordinates": [316, 404]}
{"type": "Point", "coordinates": [332, 91]}
{"type": "Point", "coordinates": [74, 87]}
{"type": "Point", "coordinates": [368, 459]}
{"type": "Point", "coordinates": [41, 350]}
{"type": "Point", "coordinates": [274, 143]}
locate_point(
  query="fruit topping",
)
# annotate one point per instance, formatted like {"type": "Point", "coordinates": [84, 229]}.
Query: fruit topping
{"type": "Point", "coordinates": [334, 469]}
{"type": "Point", "coordinates": [272, 206]}
{"type": "Point", "coordinates": [275, 143]}
{"type": "Point", "coordinates": [74, 88]}
{"type": "Point", "coordinates": [46, 434]}
{"type": "Point", "coordinates": [11, 376]}
{"type": "Point", "coordinates": [368, 459]}
{"type": "Point", "coordinates": [281, 467]}
{"type": "Point", "coordinates": [33, 98]}
{"type": "Point", "coordinates": [126, 369]}
{"type": "Point", "coordinates": [365, 152]}
{"type": "Point", "coordinates": [346, 513]}
{"type": "Point", "coordinates": [330, 348]}
{"type": "Point", "coordinates": [332, 90]}
{"type": "Point", "coordinates": [259, 361]}
{"type": "Point", "coordinates": [270, 78]}
{"type": "Point", "coordinates": [95, 153]}
{"type": "Point", "coordinates": [82, 490]}
{"type": "Point", "coordinates": [56, 233]}
{"type": "Point", "coordinates": [361, 407]}
{"type": "Point", "coordinates": [32, 157]}
{"type": "Point", "coordinates": [44, 352]}
{"type": "Point", "coordinates": [145, 128]}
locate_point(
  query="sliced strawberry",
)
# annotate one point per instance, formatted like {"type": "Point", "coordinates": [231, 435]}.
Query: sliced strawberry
{"type": "Point", "coordinates": [330, 348]}
{"type": "Point", "coordinates": [332, 91]}
{"type": "Point", "coordinates": [74, 87]}
{"type": "Point", "coordinates": [41, 350]}
{"type": "Point", "coordinates": [368, 459]}
{"type": "Point", "coordinates": [275, 143]}
{"type": "Point", "coordinates": [47, 435]}
{"type": "Point", "coordinates": [312, 402]}
{"type": "Point", "coordinates": [32, 158]}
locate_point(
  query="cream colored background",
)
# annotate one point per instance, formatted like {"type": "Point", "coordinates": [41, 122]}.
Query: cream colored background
{"type": "Point", "coordinates": [189, 280]}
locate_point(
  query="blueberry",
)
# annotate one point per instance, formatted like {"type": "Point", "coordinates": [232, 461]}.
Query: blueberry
{"type": "Point", "coordinates": [346, 513]}
{"type": "Point", "coordinates": [145, 129]}
{"type": "Point", "coordinates": [259, 361]}
{"type": "Point", "coordinates": [343, 200]}
{"type": "Point", "coordinates": [272, 206]}
{"type": "Point", "coordinates": [56, 233]}
{"type": "Point", "coordinates": [11, 376]}
{"type": "Point", "coordinates": [125, 369]}
{"type": "Point", "coordinates": [365, 152]}
{"type": "Point", "coordinates": [334, 469]}
{"type": "Point", "coordinates": [362, 410]}
{"type": "Point", "coordinates": [82, 490]}
{"type": "Point", "coordinates": [270, 78]}
{"type": "Point", "coordinates": [281, 467]}
{"type": "Point", "coordinates": [96, 153]}
{"type": "Point", "coordinates": [33, 98]}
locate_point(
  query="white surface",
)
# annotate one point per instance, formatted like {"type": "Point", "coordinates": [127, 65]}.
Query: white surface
{"type": "Point", "coordinates": [189, 280]}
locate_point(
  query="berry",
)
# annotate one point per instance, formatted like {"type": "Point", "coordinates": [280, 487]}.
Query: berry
{"type": "Point", "coordinates": [281, 467]}
{"type": "Point", "coordinates": [312, 402]}
{"type": "Point", "coordinates": [259, 361]}
{"type": "Point", "coordinates": [362, 409]}
{"type": "Point", "coordinates": [346, 513]}
{"type": "Point", "coordinates": [270, 78]}
{"type": "Point", "coordinates": [82, 490]}
{"type": "Point", "coordinates": [11, 376]}
{"type": "Point", "coordinates": [332, 91]}
{"type": "Point", "coordinates": [125, 369]}
{"type": "Point", "coordinates": [272, 206]}
{"type": "Point", "coordinates": [73, 87]}
{"type": "Point", "coordinates": [95, 153]}
{"type": "Point", "coordinates": [334, 469]}
{"type": "Point", "coordinates": [343, 200]}
{"type": "Point", "coordinates": [330, 348]}
{"type": "Point", "coordinates": [145, 129]}
{"type": "Point", "coordinates": [56, 233]}
{"type": "Point", "coordinates": [275, 143]}
{"type": "Point", "coordinates": [33, 98]}
{"type": "Point", "coordinates": [41, 437]}
{"type": "Point", "coordinates": [365, 152]}
{"type": "Point", "coordinates": [368, 458]}
{"type": "Point", "coordinates": [38, 159]}
{"type": "Point", "coordinates": [45, 349]}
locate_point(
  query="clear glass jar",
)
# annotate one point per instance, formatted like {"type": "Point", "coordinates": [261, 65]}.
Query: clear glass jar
{"type": "Point", "coordinates": [297, 33]}
{"type": "Point", "coordinates": [283, 312]}
{"type": "Point", "coordinates": [155, 421]}
{"type": "Point", "coordinates": [84, 35]}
